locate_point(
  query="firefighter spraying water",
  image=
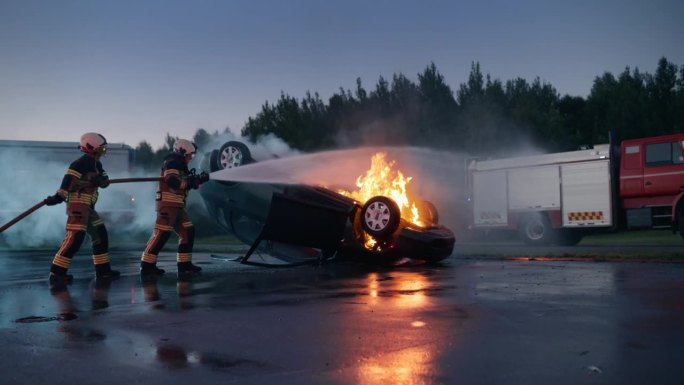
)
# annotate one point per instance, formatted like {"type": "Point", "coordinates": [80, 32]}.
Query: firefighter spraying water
{"type": "Point", "coordinates": [174, 185]}
{"type": "Point", "coordinates": [79, 189]}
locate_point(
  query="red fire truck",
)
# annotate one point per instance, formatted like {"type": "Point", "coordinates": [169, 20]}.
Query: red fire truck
{"type": "Point", "coordinates": [560, 197]}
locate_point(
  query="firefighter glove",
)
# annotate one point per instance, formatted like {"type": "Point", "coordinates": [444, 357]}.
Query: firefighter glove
{"type": "Point", "coordinates": [193, 181]}
{"type": "Point", "coordinates": [100, 181]}
{"type": "Point", "coordinates": [204, 177]}
{"type": "Point", "coordinates": [53, 200]}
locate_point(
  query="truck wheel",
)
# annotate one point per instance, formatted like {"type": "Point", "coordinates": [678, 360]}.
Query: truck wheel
{"type": "Point", "coordinates": [233, 154]}
{"type": "Point", "coordinates": [380, 216]}
{"type": "Point", "coordinates": [535, 229]}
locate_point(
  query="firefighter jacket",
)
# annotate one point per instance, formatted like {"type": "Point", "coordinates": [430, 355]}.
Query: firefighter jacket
{"type": "Point", "coordinates": [82, 180]}
{"type": "Point", "coordinates": [173, 187]}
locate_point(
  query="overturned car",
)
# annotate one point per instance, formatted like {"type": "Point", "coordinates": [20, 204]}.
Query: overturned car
{"type": "Point", "coordinates": [331, 222]}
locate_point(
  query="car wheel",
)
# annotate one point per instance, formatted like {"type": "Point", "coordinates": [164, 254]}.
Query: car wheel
{"type": "Point", "coordinates": [427, 212]}
{"type": "Point", "coordinates": [535, 229]}
{"type": "Point", "coordinates": [380, 216]}
{"type": "Point", "coordinates": [233, 154]}
{"type": "Point", "coordinates": [213, 161]}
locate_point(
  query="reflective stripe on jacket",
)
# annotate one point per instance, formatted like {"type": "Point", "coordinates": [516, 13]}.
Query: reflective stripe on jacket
{"type": "Point", "coordinates": [173, 187]}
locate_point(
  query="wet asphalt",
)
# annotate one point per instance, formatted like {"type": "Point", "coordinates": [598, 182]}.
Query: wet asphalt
{"type": "Point", "coordinates": [468, 321]}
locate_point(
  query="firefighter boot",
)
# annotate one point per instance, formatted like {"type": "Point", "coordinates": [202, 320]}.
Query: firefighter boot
{"type": "Point", "coordinates": [60, 280]}
{"type": "Point", "coordinates": [188, 268]}
{"type": "Point", "coordinates": [150, 270]}
{"type": "Point", "coordinates": [104, 271]}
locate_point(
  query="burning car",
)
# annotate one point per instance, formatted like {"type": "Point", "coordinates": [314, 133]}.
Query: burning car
{"type": "Point", "coordinates": [376, 228]}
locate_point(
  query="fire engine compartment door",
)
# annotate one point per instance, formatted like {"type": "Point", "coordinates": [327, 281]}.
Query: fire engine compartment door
{"type": "Point", "coordinates": [534, 188]}
{"type": "Point", "coordinates": [490, 206]}
{"type": "Point", "coordinates": [586, 194]}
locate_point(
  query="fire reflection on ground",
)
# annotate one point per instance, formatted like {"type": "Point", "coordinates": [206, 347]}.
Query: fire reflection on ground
{"type": "Point", "coordinates": [404, 290]}
{"type": "Point", "coordinates": [404, 294]}
{"type": "Point", "coordinates": [415, 366]}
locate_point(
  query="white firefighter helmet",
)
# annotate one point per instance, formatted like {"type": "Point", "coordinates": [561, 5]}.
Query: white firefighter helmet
{"type": "Point", "coordinates": [93, 143]}
{"type": "Point", "coordinates": [185, 147]}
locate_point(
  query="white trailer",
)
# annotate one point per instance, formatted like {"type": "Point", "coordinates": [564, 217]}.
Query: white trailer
{"type": "Point", "coordinates": [549, 198]}
{"type": "Point", "coordinates": [35, 169]}
{"type": "Point", "coordinates": [117, 160]}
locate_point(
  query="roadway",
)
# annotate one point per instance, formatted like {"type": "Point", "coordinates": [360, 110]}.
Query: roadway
{"type": "Point", "coordinates": [472, 320]}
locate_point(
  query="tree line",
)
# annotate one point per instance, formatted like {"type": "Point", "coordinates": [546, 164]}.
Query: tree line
{"type": "Point", "coordinates": [483, 116]}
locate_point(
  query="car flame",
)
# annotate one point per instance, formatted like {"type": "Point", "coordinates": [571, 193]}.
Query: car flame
{"type": "Point", "coordinates": [382, 179]}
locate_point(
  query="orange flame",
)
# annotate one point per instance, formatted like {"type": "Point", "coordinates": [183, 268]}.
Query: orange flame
{"type": "Point", "coordinates": [382, 179]}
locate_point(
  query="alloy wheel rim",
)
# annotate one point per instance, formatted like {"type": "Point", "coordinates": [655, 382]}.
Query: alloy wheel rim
{"type": "Point", "coordinates": [231, 157]}
{"type": "Point", "coordinates": [377, 216]}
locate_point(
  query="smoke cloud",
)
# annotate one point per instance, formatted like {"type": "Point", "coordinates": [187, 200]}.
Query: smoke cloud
{"type": "Point", "coordinates": [27, 182]}
{"type": "Point", "coordinates": [37, 173]}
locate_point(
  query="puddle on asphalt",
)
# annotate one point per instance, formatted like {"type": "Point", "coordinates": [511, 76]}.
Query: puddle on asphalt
{"type": "Point", "coordinates": [176, 357]}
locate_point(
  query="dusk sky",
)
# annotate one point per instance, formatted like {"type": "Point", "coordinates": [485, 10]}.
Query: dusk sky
{"type": "Point", "coordinates": [135, 70]}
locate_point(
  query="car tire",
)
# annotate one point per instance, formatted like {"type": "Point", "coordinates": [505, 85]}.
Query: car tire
{"type": "Point", "coordinates": [232, 154]}
{"type": "Point", "coordinates": [213, 162]}
{"type": "Point", "coordinates": [535, 229]}
{"type": "Point", "coordinates": [427, 212]}
{"type": "Point", "coordinates": [380, 216]}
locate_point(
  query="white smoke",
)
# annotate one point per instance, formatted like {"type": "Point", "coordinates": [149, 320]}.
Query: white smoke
{"type": "Point", "coordinates": [267, 146]}
{"type": "Point", "coordinates": [32, 175]}
{"type": "Point", "coordinates": [27, 181]}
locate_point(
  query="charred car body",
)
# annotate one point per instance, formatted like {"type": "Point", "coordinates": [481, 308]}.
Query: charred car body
{"type": "Point", "coordinates": [317, 217]}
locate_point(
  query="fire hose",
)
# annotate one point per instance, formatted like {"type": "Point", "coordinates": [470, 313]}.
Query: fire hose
{"type": "Point", "coordinates": [130, 180]}
{"type": "Point", "coordinates": [22, 216]}
{"type": "Point", "coordinates": [42, 203]}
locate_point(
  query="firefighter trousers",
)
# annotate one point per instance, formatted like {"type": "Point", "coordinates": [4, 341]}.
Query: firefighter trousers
{"type": "Point", "coordinates": [82, 219]}
{"type": "Point", "coordinates": [170, 219]}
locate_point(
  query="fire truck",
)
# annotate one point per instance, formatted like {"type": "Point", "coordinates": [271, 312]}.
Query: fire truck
{"type": "Point", "coordinates": [558, 198]}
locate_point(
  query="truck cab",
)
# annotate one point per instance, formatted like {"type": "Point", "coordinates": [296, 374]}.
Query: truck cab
{"type": "Point", "coordinates": [651, 180]}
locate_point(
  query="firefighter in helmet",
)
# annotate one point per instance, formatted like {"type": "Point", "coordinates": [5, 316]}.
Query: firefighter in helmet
{"type": "Point", "coordinates": [79, 189]}
{"type": "Point", "coordinates": [175, 183]}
